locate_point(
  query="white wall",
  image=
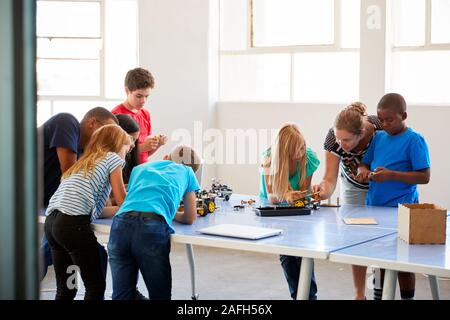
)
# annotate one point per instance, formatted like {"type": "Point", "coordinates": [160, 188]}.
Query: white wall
{"type": "Point", "coordinates": [432, 122]}
{"type": "Point", "coordinates": [177, 44]}
{"type": "Point", "coordinates": [314, 122]}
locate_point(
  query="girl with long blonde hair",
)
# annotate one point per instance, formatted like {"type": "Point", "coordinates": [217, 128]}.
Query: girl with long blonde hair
{"type": "Point", "coordinates": [287, 170]}
{"type": "Point", "coordinates": [79, 200]}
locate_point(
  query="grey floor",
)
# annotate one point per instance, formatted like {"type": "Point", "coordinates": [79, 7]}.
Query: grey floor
{"type": "Point", "coordinates": [227, 274]}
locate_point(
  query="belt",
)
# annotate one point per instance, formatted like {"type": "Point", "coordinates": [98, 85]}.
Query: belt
{"type": "Point", "coordinates": [150, 215]}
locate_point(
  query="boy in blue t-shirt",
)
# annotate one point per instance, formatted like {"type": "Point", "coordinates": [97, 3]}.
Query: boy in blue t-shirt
{"type": "Point", "coordinates": [140, 233]}
{"type": "Point", "coordinates": [398, 157]}
{"type": "Point", "coordinates": [396, 161]}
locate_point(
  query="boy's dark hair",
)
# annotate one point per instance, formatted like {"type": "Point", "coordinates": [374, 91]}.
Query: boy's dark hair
{"type": "Point", "coordinates": [101, 114]}
{"type": "Point", "coordinates": [393, 101]}
{"type": "Point", "coordinates": [139, 78]}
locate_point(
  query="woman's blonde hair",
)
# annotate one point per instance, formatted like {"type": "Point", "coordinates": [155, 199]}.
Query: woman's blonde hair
{"type": "Point", "coordinates": [352, 118]}
{"type": "Point", "coordinates": [108, 138]}
{"type": "Point", "coordinates": [287, 143]}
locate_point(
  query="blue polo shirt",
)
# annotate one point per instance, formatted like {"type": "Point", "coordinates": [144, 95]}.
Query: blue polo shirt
{"type": "Point", "coordinates": [60, 131]}
{"type": "Point", "coordinates": [405, 152]}
{"type": "Point", "coordinates": [159, 187]}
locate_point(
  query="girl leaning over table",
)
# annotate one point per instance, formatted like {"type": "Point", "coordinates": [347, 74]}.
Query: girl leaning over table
{"type": "Point", "coordinates": [287, 170]}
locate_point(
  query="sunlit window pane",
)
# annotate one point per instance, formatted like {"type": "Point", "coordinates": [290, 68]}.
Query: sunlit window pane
{"type": "Point", "coordinates": [293, 22]}
{"type": "Point", "coordinates": [69, 48]}
{"type": "Point", "coordinates": [255, 77]}
{"type": "Point", "coordinates": [120, 44]}
{"type": "Point", "coordinates": [68, 19]}
{"type": "Point", "coordinates": [233, 24]}
{"type": "Point", "coordinates": [422, 76]}
{"type": "Point", "coordinates": [80, 108]}
{"type": "Point", "coordinates": [350, 29]}
{"type": "Point", "coordinates": [326, 77]}
{"type": "Point", "coordinates": [409, 22]}
{"type": "Point", "coordinates": [68, 77]}
{"type": "Point", "coordinates": [440, 21]}
{"type": "Point", "coordinates": [44, 111]}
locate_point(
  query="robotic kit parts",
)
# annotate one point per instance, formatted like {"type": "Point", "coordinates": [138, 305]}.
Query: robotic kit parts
{"type": "Point", "coordinates": [249, 202]}
{"type": "Point", "coordinates": [221, 190]}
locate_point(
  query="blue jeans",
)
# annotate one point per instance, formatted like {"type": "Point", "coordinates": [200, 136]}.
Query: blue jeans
{"type": "Point", "coordinates": [140, 244]}
{"type": "Point", "coordinates": [291, 268]}
{"type": "Point", "coordinates": [46, 255]}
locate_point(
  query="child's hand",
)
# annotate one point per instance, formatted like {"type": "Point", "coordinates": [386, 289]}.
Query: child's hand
{"type": "Point", "coordinates": [292, 196]}
{"type": "Point", "coordinates": [363, 175]}
{"type": "Point", "coordinates": [162, 139]}
{"type": "Point", "coordinates": [151, 143]}
{"type": "Point", "coordinates": [381, 175]}
{"type": "Point", "coordinates": [317, 191]}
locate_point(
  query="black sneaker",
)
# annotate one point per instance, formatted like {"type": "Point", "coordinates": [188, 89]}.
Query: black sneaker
{"type": "Point", "coordinates": [139, 296]}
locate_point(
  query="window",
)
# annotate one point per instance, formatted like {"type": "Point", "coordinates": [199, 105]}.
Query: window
{"type": "Point", "coordinates": [83, 53]}
{"type": "Point", "coordinates": [420, 68]}
{"type": "Point", "coordinates": [293, 22]}
{"type": "Point", "coordinates": [289, 50]}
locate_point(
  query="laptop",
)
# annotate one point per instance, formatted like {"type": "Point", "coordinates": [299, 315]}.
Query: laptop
{"type": "Point", "coordinates": [240, 231]}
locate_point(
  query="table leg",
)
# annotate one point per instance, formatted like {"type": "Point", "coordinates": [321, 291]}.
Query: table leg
{"type": "Point", "coordinates": [304, 281]}
{"type": "Point", "coordinates": [434, 286]}
{"type": "Point", "coordinates": [390, 282]}
{"type": "Point", "coordinates": [190, 256]}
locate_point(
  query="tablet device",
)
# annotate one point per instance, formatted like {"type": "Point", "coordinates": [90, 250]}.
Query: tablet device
{"type": "Point", "coordinates": [241, 231]}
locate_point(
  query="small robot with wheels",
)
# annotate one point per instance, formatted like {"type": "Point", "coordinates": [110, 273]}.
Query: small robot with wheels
{"type": "Point", "coordinates": [302, 203]}
{"type": "Point", "coordinates": [221, 190]}
{"type": "Point", "coordinates": [205, 203]}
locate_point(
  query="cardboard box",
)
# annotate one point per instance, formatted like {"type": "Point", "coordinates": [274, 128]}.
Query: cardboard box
{"type": "Point", "coordinates": [422, 223]}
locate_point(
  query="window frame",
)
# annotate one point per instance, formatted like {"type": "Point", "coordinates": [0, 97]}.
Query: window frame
{"type": "Point", "coordinates": [251, 49]}
{"type": "Point", "coordinates": [101, 97]}
{"type": "Point", "coordinates": [428, 45]}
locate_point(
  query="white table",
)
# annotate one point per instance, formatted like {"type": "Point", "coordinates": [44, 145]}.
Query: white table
{"type": "Point", "coordinates": [307, 239]}
{"type": "Point", "coordinates": [314, 236]}
{"type": "Point", "coordinates": [386, 217]}
{"type": "Point", "coordinates": [393, 254]}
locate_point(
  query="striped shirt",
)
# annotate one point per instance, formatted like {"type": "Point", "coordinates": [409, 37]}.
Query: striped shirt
{"type": "Point", "coordinates": [77, 195]}
{"type": "Point", "coordinates": [349, 161]}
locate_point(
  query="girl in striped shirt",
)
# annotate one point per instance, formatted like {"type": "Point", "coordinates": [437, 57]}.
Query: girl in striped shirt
{"type": "Point", "coordinates": [79, 200]}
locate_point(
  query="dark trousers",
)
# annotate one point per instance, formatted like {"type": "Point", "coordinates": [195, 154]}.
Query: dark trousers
{"type": "Point", "coordinates": [74, 248]}
{"type": "Point", "coordinates": [291, 269]}
{"type": "Point", "coordinates": [47, 261]}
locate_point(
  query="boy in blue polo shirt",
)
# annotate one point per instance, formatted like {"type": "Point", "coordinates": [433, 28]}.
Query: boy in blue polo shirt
{"type": "Point", "coordinates": [396, 161]}
{"type": "Point", "coordinates": [140, 232]}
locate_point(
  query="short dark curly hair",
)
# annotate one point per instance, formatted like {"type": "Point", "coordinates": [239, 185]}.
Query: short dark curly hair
{"type": "Point", "coordinates": [393, 101]}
